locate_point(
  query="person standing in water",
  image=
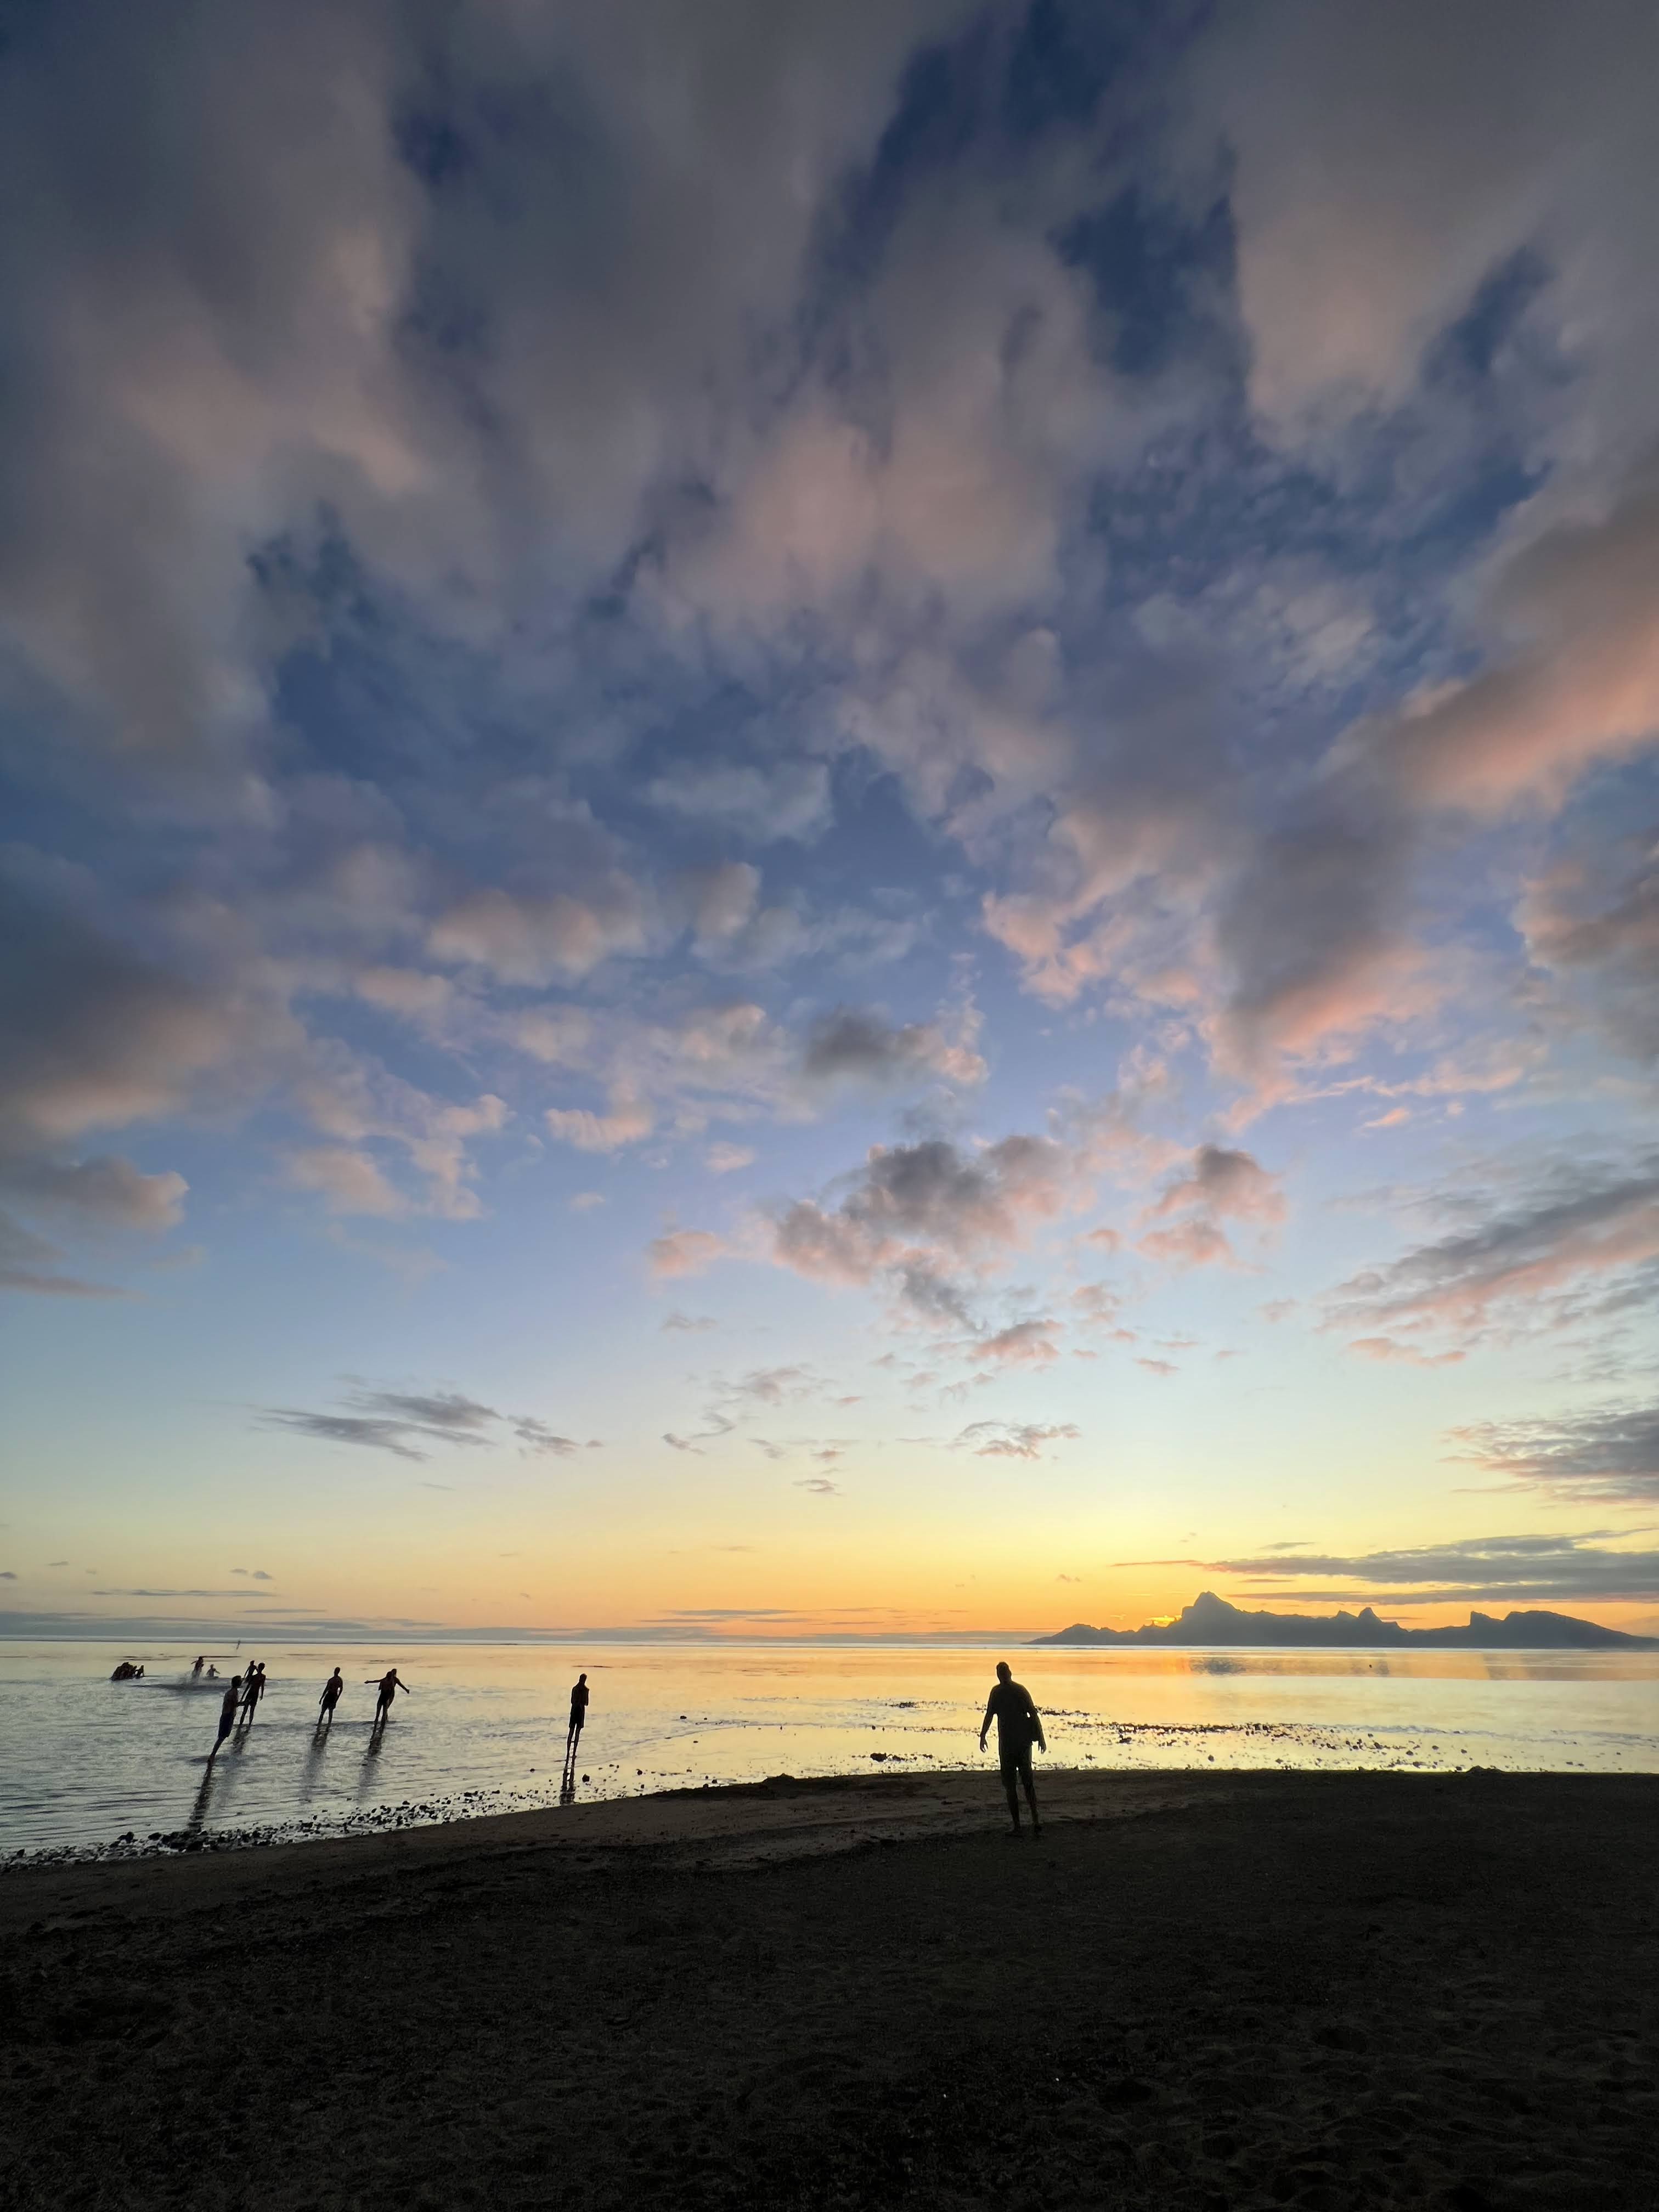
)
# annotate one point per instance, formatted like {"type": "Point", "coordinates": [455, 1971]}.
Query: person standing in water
{"type": "Point", "coordinates": [253, 1688]}
{"type": "Point", "coordinates": [233, 1698]}
{"type": "Point", "coordinates": [331, 1692]}
{"type": "Point", "coordinates": [1017, 1727]}
{"type": "Point", "coordinates": [573, 1734]}
{"type": "Point", "coordinates": [197, 1669]}
{"type": "Point", "coordinates": [390, 1686]}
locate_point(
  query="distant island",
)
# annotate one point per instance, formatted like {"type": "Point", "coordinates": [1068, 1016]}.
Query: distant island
{"type": "Point", "coordinates": [1210, 1619]}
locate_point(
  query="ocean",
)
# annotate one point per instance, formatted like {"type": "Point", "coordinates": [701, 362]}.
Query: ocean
{"type": "Point", "coordinates": [85, 1762]}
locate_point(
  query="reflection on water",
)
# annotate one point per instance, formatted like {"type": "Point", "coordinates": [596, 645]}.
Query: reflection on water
{"type": "Point", "coordinates": [83, 1761]}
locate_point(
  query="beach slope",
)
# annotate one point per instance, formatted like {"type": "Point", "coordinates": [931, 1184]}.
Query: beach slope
{"type": "Point", "coordinates": [1331, 1990]}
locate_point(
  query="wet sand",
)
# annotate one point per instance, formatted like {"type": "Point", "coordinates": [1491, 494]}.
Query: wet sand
{"type": "Point", "coordinates": [1330, 1991]}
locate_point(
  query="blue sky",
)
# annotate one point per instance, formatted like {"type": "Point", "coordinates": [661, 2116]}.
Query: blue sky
{"type": "Point", "coordinates": [843, 817]}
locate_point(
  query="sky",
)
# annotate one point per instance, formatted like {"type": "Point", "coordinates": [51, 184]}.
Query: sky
{"type": "Point", "coordinates": [827, 819]}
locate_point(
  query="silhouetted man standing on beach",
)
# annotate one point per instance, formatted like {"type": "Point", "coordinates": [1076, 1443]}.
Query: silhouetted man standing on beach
{"type": "Point", "coordinates": [1017, 1727]}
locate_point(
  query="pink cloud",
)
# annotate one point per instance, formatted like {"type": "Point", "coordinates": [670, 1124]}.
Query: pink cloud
{"type": "Point", "coordinates": [684, 1252]}
{"type": "Point", "coordinates": [1573, 677]}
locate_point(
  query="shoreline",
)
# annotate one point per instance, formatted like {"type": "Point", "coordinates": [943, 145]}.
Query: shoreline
{"type": "Point", "coordinates": [949, 1793]}
{"type": "Point", "coordinates": [904, 1806]}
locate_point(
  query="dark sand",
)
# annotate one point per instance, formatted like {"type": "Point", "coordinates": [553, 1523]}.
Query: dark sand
{"type": "Point", "coordinates": [1328, 1991]}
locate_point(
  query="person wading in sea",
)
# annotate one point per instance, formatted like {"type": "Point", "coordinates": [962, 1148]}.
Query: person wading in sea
{"type": "Point", "coordinates": [329, 1698]}
{"type": "Point", "coordinates": [253, 1688]}
{"type": "Point", "coordinates": [573, 1734]}
{"type": "Point", "coordinates": [1017, 1727]}
{"type": "Point", "coordinates": [390, 1686]}
{"type": "Point", "coordinates": [233, 1698]}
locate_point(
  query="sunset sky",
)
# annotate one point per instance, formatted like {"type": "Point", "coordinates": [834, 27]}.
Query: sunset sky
{"type": "Point", "coordinates": [828, 818]}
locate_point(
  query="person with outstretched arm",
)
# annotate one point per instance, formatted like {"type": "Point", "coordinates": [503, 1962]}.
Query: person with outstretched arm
{"type": "Point", "coordinates": [389, 1687]}
{"type": "Point", "coordinates": [1017, 1726]}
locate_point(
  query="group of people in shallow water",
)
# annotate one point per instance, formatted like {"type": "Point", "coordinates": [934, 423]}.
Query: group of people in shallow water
{"type": "Point", "coordinates": [1019, 1725]}
{"type": "Point", "coordinates": [244, 1691]}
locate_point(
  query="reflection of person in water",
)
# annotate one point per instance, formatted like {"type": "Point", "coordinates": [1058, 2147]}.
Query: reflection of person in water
{"type": "Point", "coordinates": [233, 1698]}
{"type": "Point", "coordinates": [1017, 1726]}
{"type": "Point", "coordinates": [329, 1698]}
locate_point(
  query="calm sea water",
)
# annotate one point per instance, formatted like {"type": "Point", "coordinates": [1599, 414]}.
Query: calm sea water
{"type": "Point", "coordinates": [84, 1760]}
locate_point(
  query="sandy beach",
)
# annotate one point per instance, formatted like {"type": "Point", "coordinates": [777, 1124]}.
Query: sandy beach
{"type": "Point", "coordinates": [1203, 1990]}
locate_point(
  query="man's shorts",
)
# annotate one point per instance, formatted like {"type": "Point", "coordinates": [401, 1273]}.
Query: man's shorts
{"type": "Point", "coordinates": [1016, 1762]}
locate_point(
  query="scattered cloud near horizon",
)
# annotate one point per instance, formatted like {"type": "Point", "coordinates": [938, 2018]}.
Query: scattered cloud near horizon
{"type": "Point", "coordinates": [1537, 1570]}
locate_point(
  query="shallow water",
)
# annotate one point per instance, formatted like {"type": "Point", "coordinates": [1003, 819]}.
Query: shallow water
{"type": "Point", "coordinates": [84, 1760]}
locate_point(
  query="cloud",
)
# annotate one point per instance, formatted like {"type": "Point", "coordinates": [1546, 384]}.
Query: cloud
{"type": "Point", "coordinates": [1386, 1348]}
{"type": "Point", "coordinates": [28, 1262]}
{"type": "Point", "coordinates": [628, 1121]}
{"type": "Point", "coordinates": [1573, 1244]}
{"type": "Point", "coordinates": [772, 1386]}
{"type": "Point", "coordinates": [1217, 1184]}
{"type": "Point", "coordinates": [531, 939]}
{"type": "Point", "coordinates": [535, 1437]}
{"type": "Point", "coordinates": [917, 1214]}
{"type": "Point", "coordinates": [689, 1324]}
{"type": "Point", "coordinates": [403, 1422]}
{"type": "Point", "coordinates": [1014, 1439]}
{"type": "Point", "coordinates": [1591, 924]}
{"type": "Point", "coordinates": [728, 1159]}
{"type": "Point", "coordinates": [1608, 1452]}
{"type": "Point", "coordinates": [819, 1484]}
{"type": "Point", "coordinates": [168, 1593]}
{"type": "Point", "coordinates": [1022, 1344]}
{"type": "Point", "coordinates": [351, 1182]}
{"type": "Point", "coordinates": [1342, 291]}
{"type": "Point", "coordinates": [253, 1574]}
{"type": "Point", "coordinates": [786, 799]}
{"type": "Point", "coordinates": [445, 1412]}
{"type": "Point", "coordinates": [1524, 1570]}
{"type": "Point", "coordinates": [1224, 1182]}
{"type": "Point", "coordinates": [684, 1252]}
{"type": "Point", "coordinates": [1574, 678]}
{"type": "Point", "coordinates": [852, 1044]}
{"type": "Point", "coordinates": [345, 1429]}
{"type": "Point", "coordinates": [92, 1035]}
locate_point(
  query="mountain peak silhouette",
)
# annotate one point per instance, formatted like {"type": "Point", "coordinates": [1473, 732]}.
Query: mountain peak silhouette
{"type": "Point", "coordinates": [1213, 1619]}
